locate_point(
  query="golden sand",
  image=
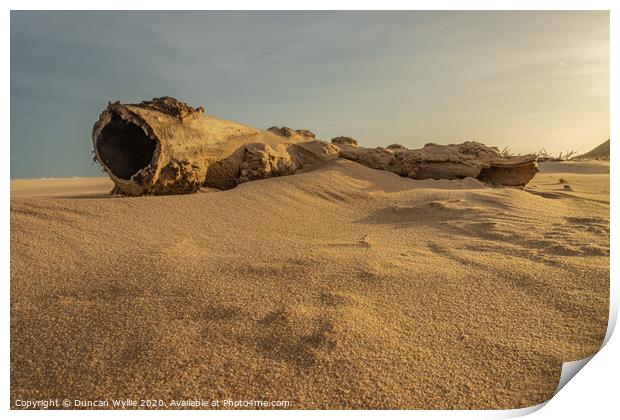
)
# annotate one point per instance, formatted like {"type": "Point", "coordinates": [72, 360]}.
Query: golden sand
{"type": "Point", "coordinates": [345, 287]}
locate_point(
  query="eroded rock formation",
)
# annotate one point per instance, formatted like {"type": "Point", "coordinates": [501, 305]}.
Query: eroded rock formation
{"type": "Point", "coordinates": [165, 146]}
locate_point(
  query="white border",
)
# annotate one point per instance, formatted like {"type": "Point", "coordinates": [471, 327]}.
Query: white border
{"type": "Point", "coordinates": [598, 381]}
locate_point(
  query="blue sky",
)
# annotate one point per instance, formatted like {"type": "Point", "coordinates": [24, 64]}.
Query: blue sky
{"type": "Point", "coordinates": [526, 80]}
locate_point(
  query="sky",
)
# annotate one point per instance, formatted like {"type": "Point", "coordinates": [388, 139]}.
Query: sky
{"type": "Point", "coordinates": [526, 80]}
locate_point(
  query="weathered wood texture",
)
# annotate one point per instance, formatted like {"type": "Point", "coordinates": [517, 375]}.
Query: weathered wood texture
{"type": "Point", "coordinates": [164, 146]}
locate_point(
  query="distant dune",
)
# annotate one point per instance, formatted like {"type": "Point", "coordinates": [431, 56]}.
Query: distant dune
{"type": "Point", "coordinates": [342, 287]}
{"type": "Point", "coordinates": [62, 187]}
{"type": "Point", "coordinates": [599, 152]}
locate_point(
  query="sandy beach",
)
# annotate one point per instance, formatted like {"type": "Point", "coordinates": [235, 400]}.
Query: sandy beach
{"type": "Point", "coordinates": [345, 287]}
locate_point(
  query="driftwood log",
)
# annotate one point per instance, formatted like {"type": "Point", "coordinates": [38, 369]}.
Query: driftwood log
{"type": "Point", "coordinates": [164, 146]}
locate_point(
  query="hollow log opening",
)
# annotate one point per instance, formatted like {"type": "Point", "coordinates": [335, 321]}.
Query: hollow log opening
{"type": "Point", "coordinates": [124, 148]}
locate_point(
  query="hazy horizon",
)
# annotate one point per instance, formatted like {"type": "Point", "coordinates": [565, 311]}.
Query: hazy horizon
{"type": "Point", "coordinates": [526, 80]}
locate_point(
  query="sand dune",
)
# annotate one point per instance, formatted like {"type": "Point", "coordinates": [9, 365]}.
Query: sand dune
{"type": "Point", "coordinates": [602, 152]}
{"type": "Point", "coordinates": [343, 287]}
{"type": "Point", "coordinates": [96, 187]}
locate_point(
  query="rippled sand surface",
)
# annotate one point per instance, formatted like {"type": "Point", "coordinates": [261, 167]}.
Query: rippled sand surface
{"type": "Point", "coordinates": [345, 287]}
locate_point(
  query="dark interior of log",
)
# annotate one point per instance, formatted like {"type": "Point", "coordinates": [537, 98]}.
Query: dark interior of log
{"type": "Point", "coordinates": [124, 148]}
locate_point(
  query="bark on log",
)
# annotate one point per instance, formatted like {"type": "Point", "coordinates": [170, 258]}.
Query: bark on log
{"type": "Point", "coordinates": [164, 146]}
